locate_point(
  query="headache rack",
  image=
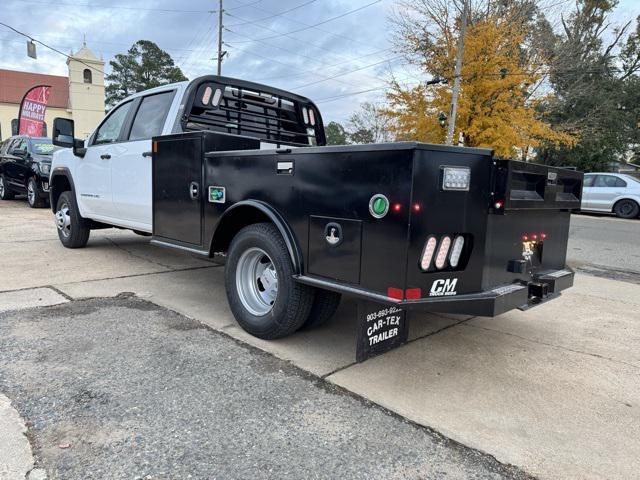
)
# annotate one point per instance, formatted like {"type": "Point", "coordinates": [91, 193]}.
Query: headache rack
{"type": "Point", "coordinates": [228, 105]}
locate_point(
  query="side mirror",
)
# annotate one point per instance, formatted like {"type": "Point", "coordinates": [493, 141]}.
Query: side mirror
{"type": "Point", "coordinates": [63, 136]}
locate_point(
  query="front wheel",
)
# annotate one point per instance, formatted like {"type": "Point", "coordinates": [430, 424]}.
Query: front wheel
{"type": "Point", "coordinates": [71, 229]}
{"type": "Point", "coordinates": [33, 194]}
{"type": "Point", "coordinates": [626, 209]}
{"type": "Point", "coordinates": [5, 193]}
{"type": "Point", "coordinates": [264, 298]}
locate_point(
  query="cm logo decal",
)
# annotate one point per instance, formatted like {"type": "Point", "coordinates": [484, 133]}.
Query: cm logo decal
{"type": "Point", "coordinates": [444, 287]}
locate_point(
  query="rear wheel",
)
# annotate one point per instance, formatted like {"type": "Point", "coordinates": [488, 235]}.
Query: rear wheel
{"type": "Point", "coordinates": [262, 294]}
{"type": "Point", "coordinates": [324, 307]}
{"type": "Point", "coordinates": [71, 229]}
{"type": "Point", "coordinates": [626, 209]}
{"type": "Point", "coordinates": [33, 194]}
{"type": "Point", "coordinates": [5, 192]}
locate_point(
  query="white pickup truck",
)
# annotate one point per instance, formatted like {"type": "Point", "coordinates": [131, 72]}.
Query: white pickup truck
{"type": "Point", "coordinates": [106, 180]}
{"type": "Point", "coordinates": [111, 173]}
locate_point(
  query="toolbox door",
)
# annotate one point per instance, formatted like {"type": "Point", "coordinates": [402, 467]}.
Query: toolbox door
{"type": "Point", "coordinates": [177, 190]}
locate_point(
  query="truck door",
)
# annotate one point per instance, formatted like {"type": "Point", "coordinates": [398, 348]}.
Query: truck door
{"type": "Point", "coordinates": [94, 170]}
{"type": "Point", "coordinates": [17, 165]}
{"type": "Point", "coordinates": [131, 170]}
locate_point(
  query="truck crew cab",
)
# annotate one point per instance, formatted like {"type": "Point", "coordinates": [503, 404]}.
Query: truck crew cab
{"type": "Point", "coordinates": [401, 225]}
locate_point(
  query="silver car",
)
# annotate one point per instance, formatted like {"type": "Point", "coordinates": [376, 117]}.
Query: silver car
{"type": "Point", "coordinates": [611, 193]}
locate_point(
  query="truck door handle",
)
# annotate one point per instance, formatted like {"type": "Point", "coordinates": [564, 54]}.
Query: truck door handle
{"type": "Point", "coordinates": [147, 154]}
{"type": "Point", "coordinates": [105, 156]}
{"type": "Point", "coordinates": [194, 190]}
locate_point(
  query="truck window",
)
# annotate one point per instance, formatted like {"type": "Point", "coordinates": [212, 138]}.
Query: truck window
{"type": "Point", "coordinates": [151, 116]}
{"type": "Point", "coordinates": [109, 131]}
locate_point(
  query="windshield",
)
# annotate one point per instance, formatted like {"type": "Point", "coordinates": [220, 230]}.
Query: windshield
{"type": "Point", "coordinates": [42, 146]}
{"type": "Point", "coordinates": [633, 179]}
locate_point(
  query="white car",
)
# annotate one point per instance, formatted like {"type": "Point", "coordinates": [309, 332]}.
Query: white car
{"type": "Point", "coordinates": [611, 193]}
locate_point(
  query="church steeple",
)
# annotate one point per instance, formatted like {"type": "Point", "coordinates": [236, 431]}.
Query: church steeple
{"type": "Point", "coordinates": [86, 89]}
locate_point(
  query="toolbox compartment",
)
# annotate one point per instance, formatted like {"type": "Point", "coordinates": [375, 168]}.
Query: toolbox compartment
{"type": "Point", "coordinates": [522, 185]}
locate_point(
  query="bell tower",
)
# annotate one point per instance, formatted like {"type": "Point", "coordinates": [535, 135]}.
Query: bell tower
{"type": "Point", "coordinates": [86, 90]}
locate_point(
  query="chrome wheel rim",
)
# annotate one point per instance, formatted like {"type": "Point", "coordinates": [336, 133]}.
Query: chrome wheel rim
{"type": "Point", "coordinates": [63, 220]}
{"type": "Point", "coordinates": [31, 194]}
{"type": "Point", "coordinates": [257, 281]}
{"type": "Point", "coordinates": [1, 187]}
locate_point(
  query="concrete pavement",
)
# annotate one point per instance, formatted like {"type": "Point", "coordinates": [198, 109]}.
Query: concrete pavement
{"type": "Point", "coordinates": [122, 388]}
{"type": "Point", "coordinates": [553, 390]}
{"type": "Point", "coordinates": [16, 460]}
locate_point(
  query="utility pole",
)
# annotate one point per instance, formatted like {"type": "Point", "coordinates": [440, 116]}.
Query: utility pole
{"type": "Point", "coordinates": [456, 79]}
{"type": "Point", "coordinates": [220, 12]}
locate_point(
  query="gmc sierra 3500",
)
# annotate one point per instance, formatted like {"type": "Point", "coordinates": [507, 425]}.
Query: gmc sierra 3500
{"type": "Point", "coordinates": [238, 171]}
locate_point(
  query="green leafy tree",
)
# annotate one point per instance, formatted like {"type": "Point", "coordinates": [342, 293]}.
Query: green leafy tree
{"type": "Point", "coordinates": [144, 66]}
{"type": "Point", "coordinates": [336, 134]}
{"type": "Point", "coordinates": [369, 125]}
{"type": "Point", "coordinates": [593, 72]}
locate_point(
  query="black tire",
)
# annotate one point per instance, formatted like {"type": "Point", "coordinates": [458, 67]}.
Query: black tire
{"type": "Point", "coordinates": [626, 209]}
{"type": "Point", "coordinates": [324, 307]}
{"type": "Point", "coordinates": [292, 303]}
{"type": "Point", "coordinates": [5, 192]}
{"type": "Point", "coordinates": [73, 233]}
{"type": "Point", "coordinates": [33, 194]}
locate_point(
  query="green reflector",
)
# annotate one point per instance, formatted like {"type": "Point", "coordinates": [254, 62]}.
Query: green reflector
{"type": "Point", "coordinates": [379, 206]}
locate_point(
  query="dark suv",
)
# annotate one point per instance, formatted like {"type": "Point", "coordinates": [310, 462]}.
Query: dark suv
{"type": "Point", "coordinates": [25, 163]}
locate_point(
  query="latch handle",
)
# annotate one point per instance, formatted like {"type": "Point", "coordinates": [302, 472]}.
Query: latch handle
{"type": "Point", "coordinates": [194, 190]}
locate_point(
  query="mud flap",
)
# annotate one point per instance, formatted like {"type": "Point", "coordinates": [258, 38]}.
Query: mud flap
{"type": "Point", "coordinates": [380, 329]}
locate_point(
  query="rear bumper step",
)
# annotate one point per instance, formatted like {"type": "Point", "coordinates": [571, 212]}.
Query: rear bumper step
{"type": "Point", "coordinates": [489, 303]}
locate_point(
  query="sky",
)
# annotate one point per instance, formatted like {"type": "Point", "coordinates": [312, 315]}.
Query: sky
{"type": "Point", "coordinates": [339, 53]}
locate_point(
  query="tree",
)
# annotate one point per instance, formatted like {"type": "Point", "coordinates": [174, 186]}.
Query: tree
{"type": "Point", "coordinates": [369, 125]}
{"type": "Point", "coordinates": [336, 134]}
{"type": "Point", "coordinates": [144, 66]}
{"type": "Point", "coordinates": [501, 71]}
{"type": "Point", "coordinates": [596, 88]}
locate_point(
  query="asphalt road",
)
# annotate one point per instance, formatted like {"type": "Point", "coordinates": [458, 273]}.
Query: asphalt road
{"type": "Point", "coordinates": [121, 378]}
{"type": "Point", "coordinates": [606, 246]}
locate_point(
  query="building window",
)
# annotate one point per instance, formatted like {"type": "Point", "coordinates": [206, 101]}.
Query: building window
{"type": "Point", "coordinates": [87, 75]}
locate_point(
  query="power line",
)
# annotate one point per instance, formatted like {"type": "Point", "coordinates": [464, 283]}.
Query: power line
{"type": "Point", "coordinates": [347, 73]}
{"type": "Point", "coordinates": [319, 23]}
{"type": "Point", "coordinates": [274, 15]}
{"type": "Point", "coordinates": [281, 14]}
{"type": "Point", "coordinates": [123, 7]}
{"type": "Point", "coordinates": [316, 61]}
{"type": "Point", "coordinates": [114, 7]}
{"type": "Point", "coordinates": [51, 48]}
{"type": "Point", "coordinates": [314, 72]}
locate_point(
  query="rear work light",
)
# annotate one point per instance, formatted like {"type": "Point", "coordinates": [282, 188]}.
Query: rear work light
{"type": "Point", "coordinates": [441, 258]}
{"type": "Point", "coordinates": [456, 178]}
{"type": "Point", "coordinates": [427, 253]}
{"type": "Point", "coordinates": [456, 251]}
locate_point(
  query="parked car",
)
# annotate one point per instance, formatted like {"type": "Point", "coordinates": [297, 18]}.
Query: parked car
{"type": "Point", "coordinates": [611, 193]}
{"type": "Point", "coordinates": [25, 164]}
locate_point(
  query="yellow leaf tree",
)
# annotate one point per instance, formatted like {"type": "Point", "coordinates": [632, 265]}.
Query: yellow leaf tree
{"type": "Point", "coordinates": [496, 105]}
